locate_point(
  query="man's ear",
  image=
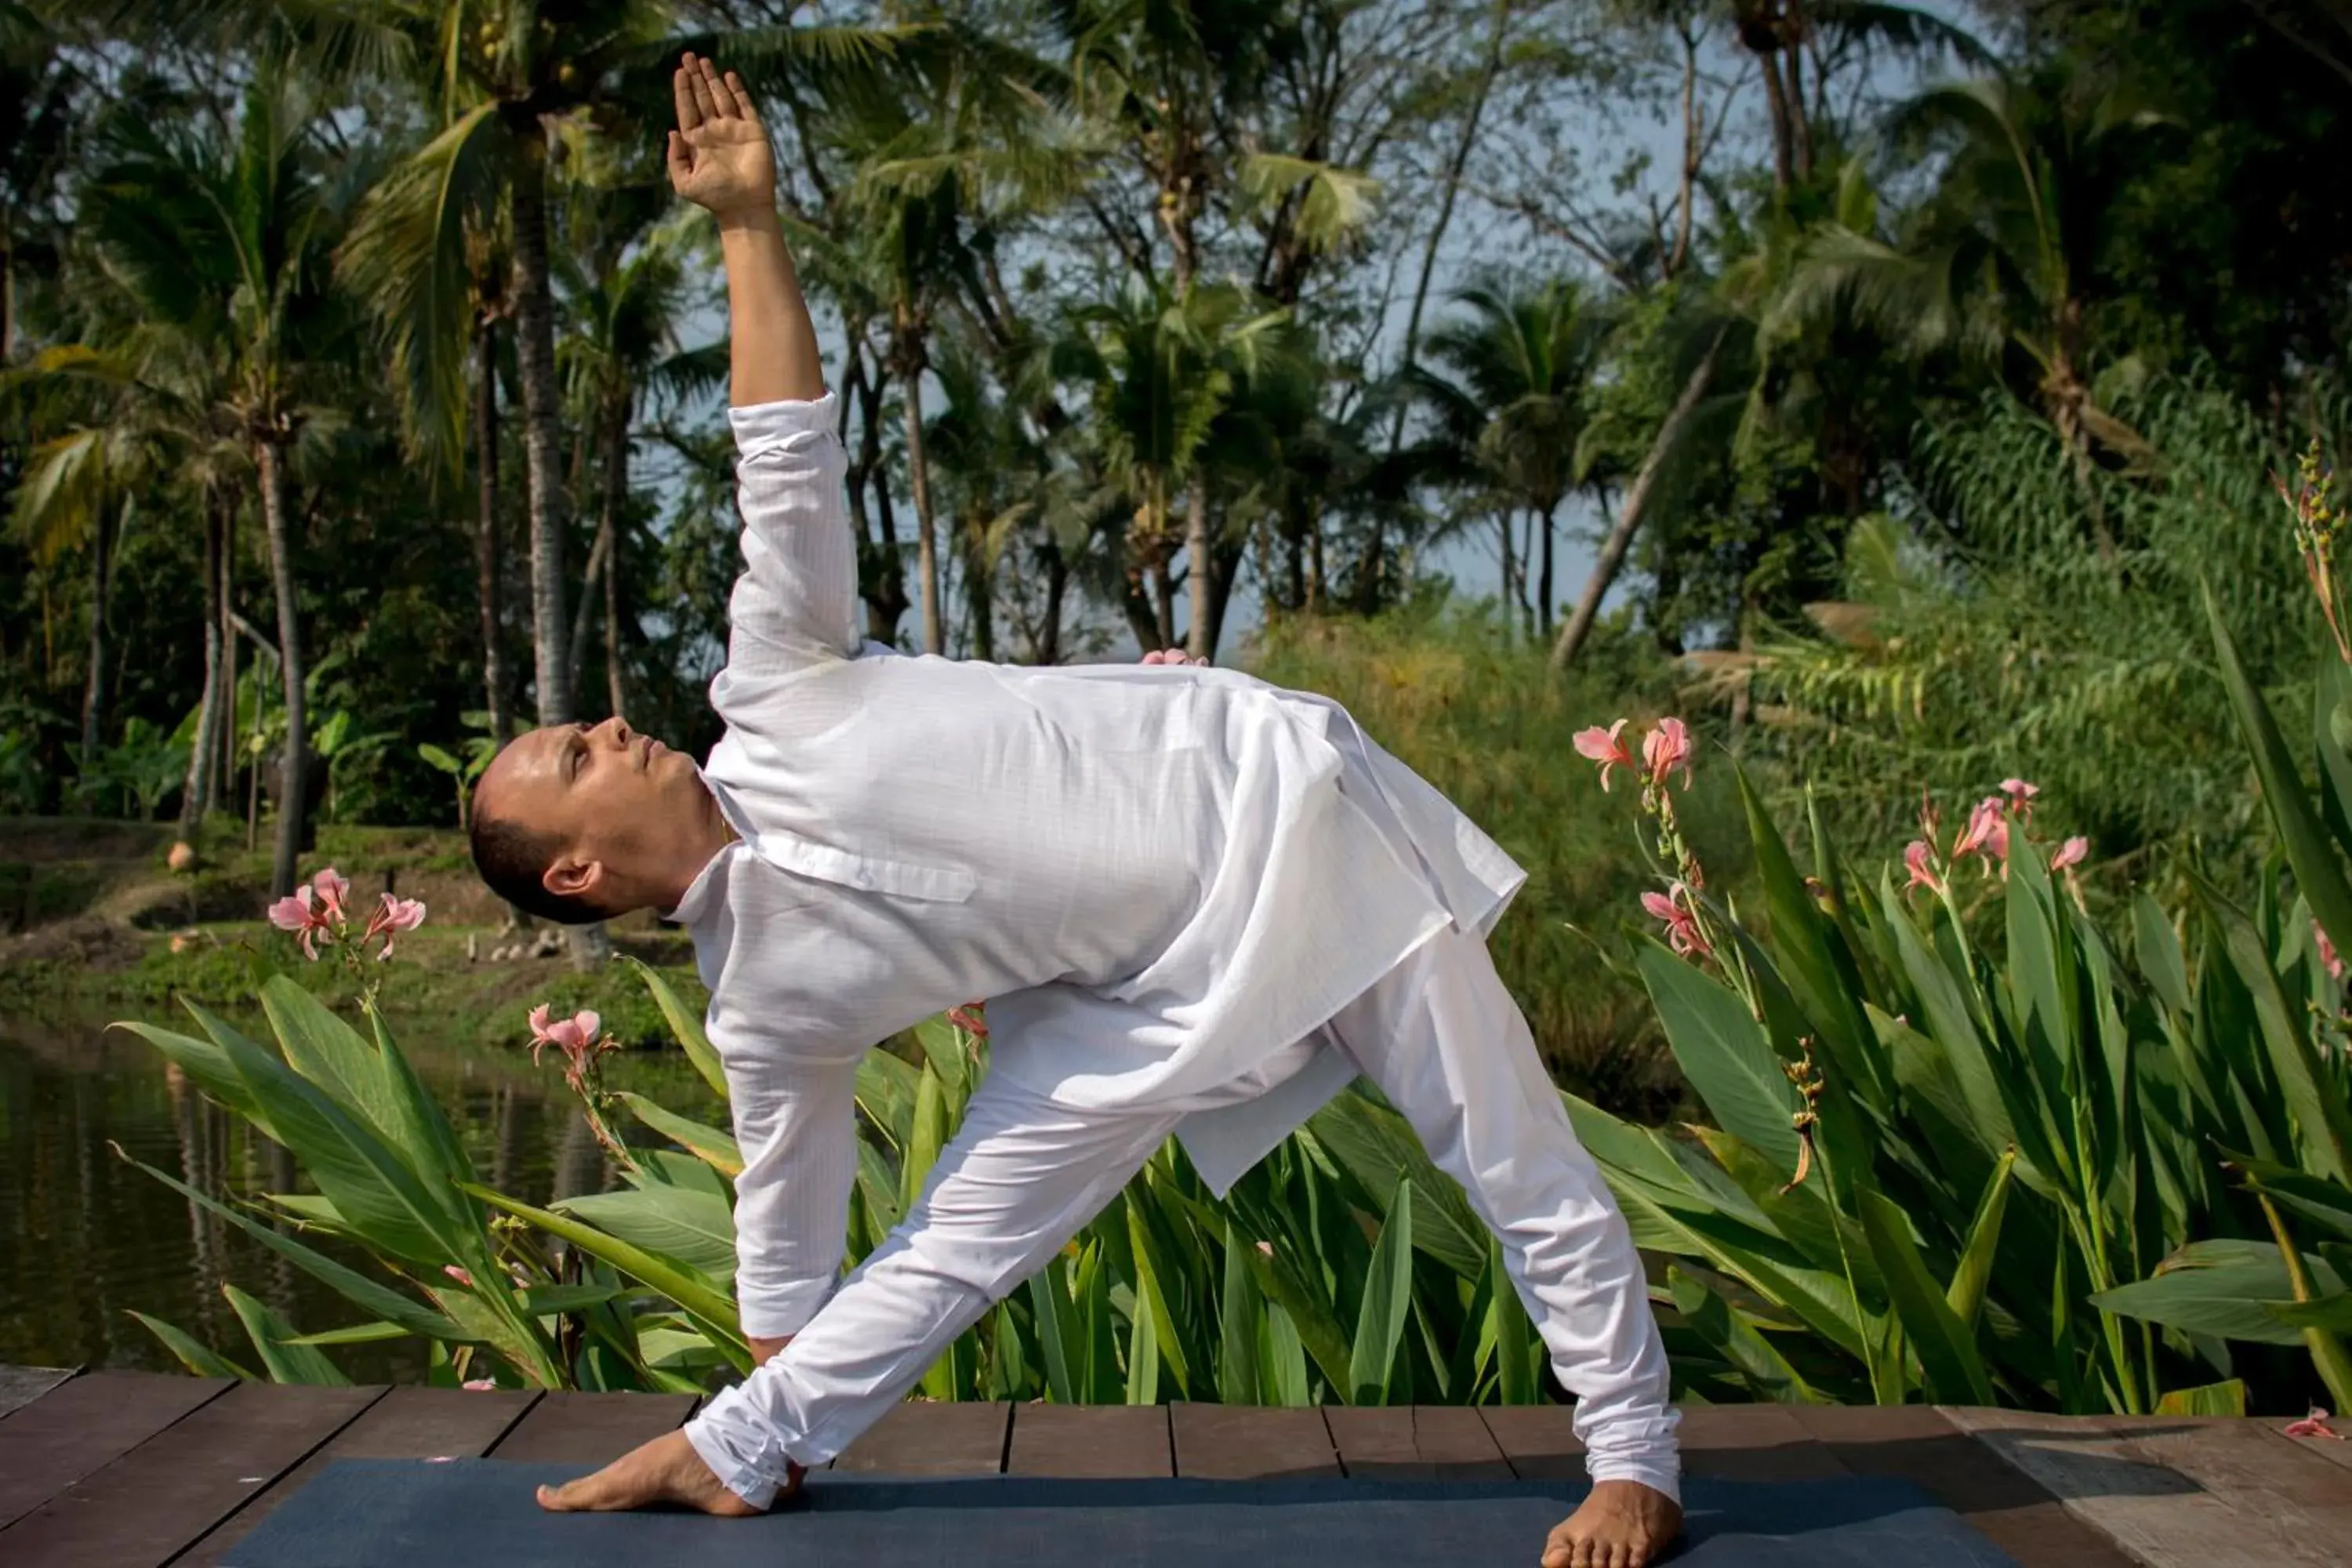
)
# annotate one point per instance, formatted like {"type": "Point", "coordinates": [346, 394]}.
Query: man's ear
{"type": "Point", "coordinates": [572, 877]}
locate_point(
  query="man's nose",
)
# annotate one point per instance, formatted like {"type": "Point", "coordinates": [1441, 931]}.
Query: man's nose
{"type": "Point", "coordinates": [613, 732]}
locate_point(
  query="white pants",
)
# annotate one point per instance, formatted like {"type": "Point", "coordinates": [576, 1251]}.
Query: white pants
{"type": "Point", "coordinates": [1440, 1037]}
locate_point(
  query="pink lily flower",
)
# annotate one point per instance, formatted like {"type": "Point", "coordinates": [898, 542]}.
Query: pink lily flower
{"type": "Point", "coordinates": [333, 889]}
{"type": "Point", "coordinates": [2327, 955]}
{"type": "Point", "coordinates": [1170, 656]}
{"type": "Point", "coordinates": [2070, 853]}
{"type": "Point", "coordinates": [392, 917]}
{"type": "Point", "coordinates": [1917, 858]}
{"type": "Point", "coordinates": [1987, 833]}
{"type": "Point", "coordinates": [575, 1036]}
{"type": "Point", "coordinates": [2020, 796]}
{"type": "Point", "coordinates": [298, 912]}
{"type": "Point", "coordinates": [459, 1275]}
{"type": "Point", "coordinates": [1605, 747]}
{"type": "Point", "coordinates": [1667, 748]}
{"type": "Point", "coordinates": [478, 1384]}
{"type": "Point", "coordinates": [1682, 934]}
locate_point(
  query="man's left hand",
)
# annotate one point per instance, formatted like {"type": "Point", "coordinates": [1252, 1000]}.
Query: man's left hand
{"type": "Point", "coordinates": [665, 1470]}
{"type": "Point", "coordinates": [1622, 1524]}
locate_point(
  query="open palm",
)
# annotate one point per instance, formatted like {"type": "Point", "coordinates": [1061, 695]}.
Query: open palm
{"type": "Point", "coordinates": [718, 155]}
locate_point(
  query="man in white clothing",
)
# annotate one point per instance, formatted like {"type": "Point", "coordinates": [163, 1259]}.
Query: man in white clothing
{"type": "Point", "coordinates": [1197, 905]}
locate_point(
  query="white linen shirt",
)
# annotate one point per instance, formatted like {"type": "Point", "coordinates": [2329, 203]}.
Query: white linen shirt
{"type": "Point", "coordinates": [1161, 879]}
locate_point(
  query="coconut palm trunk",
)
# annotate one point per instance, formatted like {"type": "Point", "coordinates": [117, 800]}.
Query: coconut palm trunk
{"type": "Point", "coordinates": [294, 772]}
{"type": "Point", "coordinates": [912, 359]}
{"type": "Point", "coordinates": [1199, 568]}
{"type": "Point", "coordinates": [596, 584]}
{"type": "Point", "coordinates": [485, 528]}
{"type": "Point", "coordinates": [1637, 501]}
{"type": "Point", "coordinates": [196, 795]}
{"type": "Point", "coordinates": [93, 691]}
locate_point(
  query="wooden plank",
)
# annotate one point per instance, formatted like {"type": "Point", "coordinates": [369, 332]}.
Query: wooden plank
{"type": "Point", "coordinates": [405, 1424]}
{"type": "Point", "coordinates": [20, 1385]}
{"type": "Point", "coordinates": [1538, 1441]}
{"type": "Point", "coordinates": [85, 1423]}
{"type": "Point", "coordinates": [145, 1506]}
{"type": "Point", "coordinates": [566, 1427]}
{"type": "Point", "coordinates": [1090, 1440]}
{"type": "Point", "coordinates": [1753, 1443]}
{"type": "Point", "coordinates": [1415, 1442]}
{"type": "Point", "coordinates": [2336, 1450]}
{"type": "Point", "coordinates": [923, 1437]}
{"type": "Point", "coordinates": [2138, 1511]}
{"type": "Point", "coordinates": [1246, 1442]}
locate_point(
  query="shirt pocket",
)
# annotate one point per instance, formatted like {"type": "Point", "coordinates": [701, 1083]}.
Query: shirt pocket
{"type": "Point", "coordinates": [866, 873]}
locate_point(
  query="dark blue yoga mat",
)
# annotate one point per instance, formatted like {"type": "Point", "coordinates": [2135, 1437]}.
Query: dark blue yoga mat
{"type": "Point", "coordinates": [406, 1513]}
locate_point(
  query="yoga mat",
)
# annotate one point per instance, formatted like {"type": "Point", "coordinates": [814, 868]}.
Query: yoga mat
{"type": "Point", "coordinates": [402, 1514]}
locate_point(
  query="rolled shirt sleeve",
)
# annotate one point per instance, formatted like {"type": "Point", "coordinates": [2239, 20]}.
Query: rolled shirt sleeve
{"type": "Point", "coordinates": [796, 601]}
{"type": "Point", "coordinates": [797, 1125]}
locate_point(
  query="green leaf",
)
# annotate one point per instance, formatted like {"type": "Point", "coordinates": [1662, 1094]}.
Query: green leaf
{"type": "Point", "coordinates": [1388, 1292]}
{"type": "Point", "coordinates": [708, 1144]}
{"type": "Point", "coordinates": [937, 1036]}
{"type": "Point", "coordinates": [2323, 1118]}
{"type": "Point", "coordinates": [1240, 1306]}
{"type": "Point", "coordinates": [1723, 1051]}
{"type": "Point", "coordinates": [1378, 1147]}
{"type": "Point", "coordinates": [1519, 1380]}
{"type": "Point", "coordinates": [1810, 956]}
{"type": "Point", "coordinates": [691, 1229]}
{"type": "Point", "coordinates": [1946, 1350]}
{"type": "Point", "coordinates": [1733, 1336]}
{"type": "Point", "coordinates": [2159, 954]}
{"type": "Point", "coordinates": [885, 1092]}
{"type": "Point", "coordinates": [2216, 1287]}
{"type": "Point", "coordinates": [195, 1357]}
{"type": "Point", "coordinates": [1152, 1277]}
{"type": "Point", "coordinates": [208, 1065]}
{"type": "Point", "coordinates": [356, 1288]}
{"type": "Point", "coordinates": [357, 1334]}
{"type": "Point", "coordinates": [330, 1054]}
{"type": "Point", "coordinates": [2333, 1313]}
{"type": "Point", "coordinates": [270, 1333]}
{"type": "Point", "coordinates": [2317, 870]}
{"type": "Point", "coordinates": [2212, 1399]}
{"type": "Point", "coordinates": [681, 1285]}
{"type": "Point", "coordinates": [686, 1026]}
{"type": "Point", "coordinates": [1966, 1293]}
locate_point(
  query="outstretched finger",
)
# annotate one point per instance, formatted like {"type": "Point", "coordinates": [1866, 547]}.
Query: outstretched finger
{"type": "Point", "coordinates": [721, 98]}
{"type": "Point", "coordinates": [742, 97]}
{"type": "Point", "coordinates": [681, 90]}
{"type": "Point", "coordinates": [697, 72]}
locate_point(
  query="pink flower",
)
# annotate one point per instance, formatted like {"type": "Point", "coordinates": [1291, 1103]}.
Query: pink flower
{"type": "Point", "coordinates": [2020, 796]}
{"type": "Point", "coordinates": [2328, 954]}
{"type": "Point", "coordinates": [333, 889]}
{"type": "Point", "coordinates": [299, 913]}
{"type": "Point", "coordinates": [1682, 934]}
{"type": "Point", "coordinates": [575, 1036]}
{"type": "Point", "coordinates": [392, 917]}
{"type": "Point", "coordinates": [1918, 857]}
{"type": "Point", "coordinates": [478, 1384]}
{"type": "Point", "coordinates": [1667, 748]}
{"type": "Point", "coordinates": [2070, 853]}
{"type": "Point", "coordinates": [1170, 656]}
{"type": "Point", "coordinates": [2312, 1425]}
{"type": "Point", "coordinates": [459, 1275]}
{"type": "Point", "coordinates": [968, 1018]}
{"type": "Point", "coordinates": [1987, 833]}
{"type": "Point", "coordinates": [1605, 747]}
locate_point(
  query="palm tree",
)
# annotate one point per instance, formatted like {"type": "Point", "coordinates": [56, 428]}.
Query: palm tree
{"type": "Point", "coordinates": [1523, 359]}
{"type": "Point", "coordinates": [222, 243]}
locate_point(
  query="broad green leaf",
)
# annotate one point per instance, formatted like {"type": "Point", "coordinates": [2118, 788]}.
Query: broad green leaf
{"type": "Point", "coordinates": [208, 1065]}
{"type": "Point", "coordinates": [331, 1055]}
{"type": "Point", "coordinates": [356, 1288]}
{"type": "Point", "coordinates": [1143, 1360]}
{"type": "Point", "coordinates": [1519, 1381]}
{"type": "Point", "coordinates": [1734, 1338]}
{"type": "Point", "coordinates": [2159, 954]}
{"type": "Point", "coordinates": [2317, 870]}
{"type": "Point", "coordinates": [2217, 1288]}
{"type": "Point", "coordinates": [1388, 1291]}
{"type": "Point", "coordinates": [683, 1286]}
{"type": "Point", "coordinates": [686, 1026]}
{"type": "Point", "coordinates": [195, 1357]}
{"type": "Point", "coordinates": [885, 1092]}
{"type": "Point", "coordinates": [2212, 1399]}
{"type": "Point", "coordinates": [1966, 1293]}
{"type": "Point", "coordinates": [357, 1334]}
{"type": "Point", "coordinates": [1049, 1302]}
{"type": "Point", "coordinates": [1946, 1350]}
{"type": "Point", "coordinates": [927, 1136]}
{"type": "Point", "coordinates": [693, 1229]}
{"type": "Point", "coordinates": [1379, 1148]}
{"type": "Point", "coordinates": [1725, 1054]}
{"type": "Point", "coordinates": [716, 1149]}
{"type": "Point", "coordinates": [1285, 1360]}
{"type": "Point", "coordinates": [2325, 1203]}
{"type": "Point", "coordinates": [2333, 1313]}
{"type": "Point", "coordinates": [2323, 1118]}
{"type": "Point", "coordinates": [1240, 1306]}
{"type": "Point", "coordinates": [1811, 958]}
{"type": "Point", "coordinates": [269, 1333]}
{"type": "Point", "coordinates": [937, 1038]}
{"type": "Point", "coordinates": [420, 1128]}
{"type": "Point", "coordinates": [1152, 1294]}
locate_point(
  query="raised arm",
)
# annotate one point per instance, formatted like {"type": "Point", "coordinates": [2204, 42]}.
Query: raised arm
{"type": "Point", "coordinates": [796, 602]}
{"type": "Point", "coordinates": [719, 159]}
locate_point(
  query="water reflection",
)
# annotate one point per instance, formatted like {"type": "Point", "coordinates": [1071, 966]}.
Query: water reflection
{"type": "Point", "coordinates": [85, 1239]}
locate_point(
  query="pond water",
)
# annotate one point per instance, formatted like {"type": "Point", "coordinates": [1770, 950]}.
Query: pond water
{"type": "Point", "coordinates": [85, 1238]}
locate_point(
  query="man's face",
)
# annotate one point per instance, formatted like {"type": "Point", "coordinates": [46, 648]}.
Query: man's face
{"type": "Point", "coordinates": [623, 807]}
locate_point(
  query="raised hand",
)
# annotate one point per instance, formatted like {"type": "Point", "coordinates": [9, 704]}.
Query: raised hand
{"type": "Point", "coordinates": [718, 155]}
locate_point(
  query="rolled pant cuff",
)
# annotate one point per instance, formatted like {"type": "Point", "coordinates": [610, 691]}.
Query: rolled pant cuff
{"type": "Point", "coordinates": [747, 1460]}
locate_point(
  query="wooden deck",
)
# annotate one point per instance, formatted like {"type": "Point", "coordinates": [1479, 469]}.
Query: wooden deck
{"type": "Point", "coordinates": [139, 1470]}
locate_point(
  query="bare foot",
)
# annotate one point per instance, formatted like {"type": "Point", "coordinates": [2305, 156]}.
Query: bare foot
{"type": "Point", "coordinates": [665, 1470]}
{"type": "Point", "coordinates": [1622, 1524]}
